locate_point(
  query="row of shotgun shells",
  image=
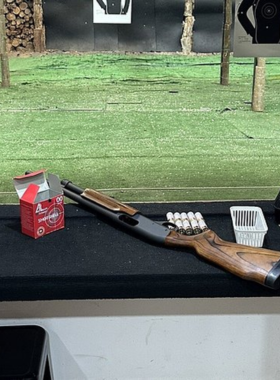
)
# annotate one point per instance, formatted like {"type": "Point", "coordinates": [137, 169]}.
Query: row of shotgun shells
{"type": "Point", "coordinates": [186, 223]}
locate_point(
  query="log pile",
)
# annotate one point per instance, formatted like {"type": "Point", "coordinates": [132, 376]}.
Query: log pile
{"type": "Point", "coordinates": [23, 21]}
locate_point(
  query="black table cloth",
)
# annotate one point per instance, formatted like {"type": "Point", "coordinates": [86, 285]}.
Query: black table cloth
{"type": "Point", "coordinates": [91, 259]}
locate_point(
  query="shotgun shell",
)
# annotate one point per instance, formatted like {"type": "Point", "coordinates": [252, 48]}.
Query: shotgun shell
{"type": "Point", "coordinates": [184, 216]}
{"type": "Point", "coordinates": [194, 223]}
{"type": "Point", "coordinates": [186, 224]}
{"type": "Point", "coordinates": [198, 216]}
{"type": "Point", "coordinates": [170, 217]}
{"type": "Point", "coordinates": [187, 227]}
{"type": "Point", "coordinates": [179, 226]}
{"type": "Point", "coordinates": [177, 216]}
{"type": "Point", "coordinates": [201, 222]}
{"type": "Point", "coordinates": [171, 220]}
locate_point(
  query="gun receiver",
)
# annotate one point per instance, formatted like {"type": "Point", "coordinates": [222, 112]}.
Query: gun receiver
{"type": "Point", "coordinates": [254, 264]}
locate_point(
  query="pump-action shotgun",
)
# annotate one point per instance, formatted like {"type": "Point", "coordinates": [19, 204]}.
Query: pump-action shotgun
{"type": "Point", "coordinates": [254, 264]}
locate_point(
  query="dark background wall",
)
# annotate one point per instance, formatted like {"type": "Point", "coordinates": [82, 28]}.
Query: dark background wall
{"type": "Point", "coordinates": [156, 26]}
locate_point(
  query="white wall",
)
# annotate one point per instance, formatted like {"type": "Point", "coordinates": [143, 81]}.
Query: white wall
{"type": "Point", "coordinates": [211, 339]}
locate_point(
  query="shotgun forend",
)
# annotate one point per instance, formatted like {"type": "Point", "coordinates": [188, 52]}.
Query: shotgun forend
{"type": "Point", "coordinates": [254, 264]}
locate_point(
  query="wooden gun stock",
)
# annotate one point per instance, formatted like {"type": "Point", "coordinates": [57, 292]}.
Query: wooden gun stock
{"type": "Point", "coordinates": [255, 264]}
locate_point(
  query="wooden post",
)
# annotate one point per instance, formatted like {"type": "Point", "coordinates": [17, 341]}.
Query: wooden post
{"type": "Point", "coordinates": [258, 85]}
{"type": "Point", "coordinates": [39, 29]}
{"type": "Point", "coordinates": [187, 36]}
{"type": "Point", "coordinates": [5, 71]}
{"type": "Point", "coordinates": [226, 44]}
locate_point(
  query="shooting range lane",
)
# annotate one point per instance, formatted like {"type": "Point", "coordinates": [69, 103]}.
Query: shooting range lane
{"type": "Point", "coordinates": [91, 259]}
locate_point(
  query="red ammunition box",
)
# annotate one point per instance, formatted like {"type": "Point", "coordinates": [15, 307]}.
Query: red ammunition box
{"type": "Point", "coordinates": [41, 203]}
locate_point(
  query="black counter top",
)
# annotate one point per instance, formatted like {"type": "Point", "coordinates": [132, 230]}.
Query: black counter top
{"type": "Point", "coordinates": [91, 259]}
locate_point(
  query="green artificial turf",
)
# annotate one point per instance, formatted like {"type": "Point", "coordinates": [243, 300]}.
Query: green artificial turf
{"type": "Point", "coordinates": [141, 127]}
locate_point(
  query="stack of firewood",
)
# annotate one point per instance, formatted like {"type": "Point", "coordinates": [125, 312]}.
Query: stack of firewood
{"type": "Point", "coordinates": [19, 25]}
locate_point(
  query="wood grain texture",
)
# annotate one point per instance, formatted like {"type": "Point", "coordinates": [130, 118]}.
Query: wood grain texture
{"type": "Point", "coordinates": [19, 16]}
{"type": "Point", "coordinates": [249, 263]}
{"type": "Point", "coordinates": [108, 202]}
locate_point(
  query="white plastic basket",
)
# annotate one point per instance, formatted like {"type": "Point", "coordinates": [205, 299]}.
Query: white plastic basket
{"type": "Point", "coordinates": [249, 225]}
